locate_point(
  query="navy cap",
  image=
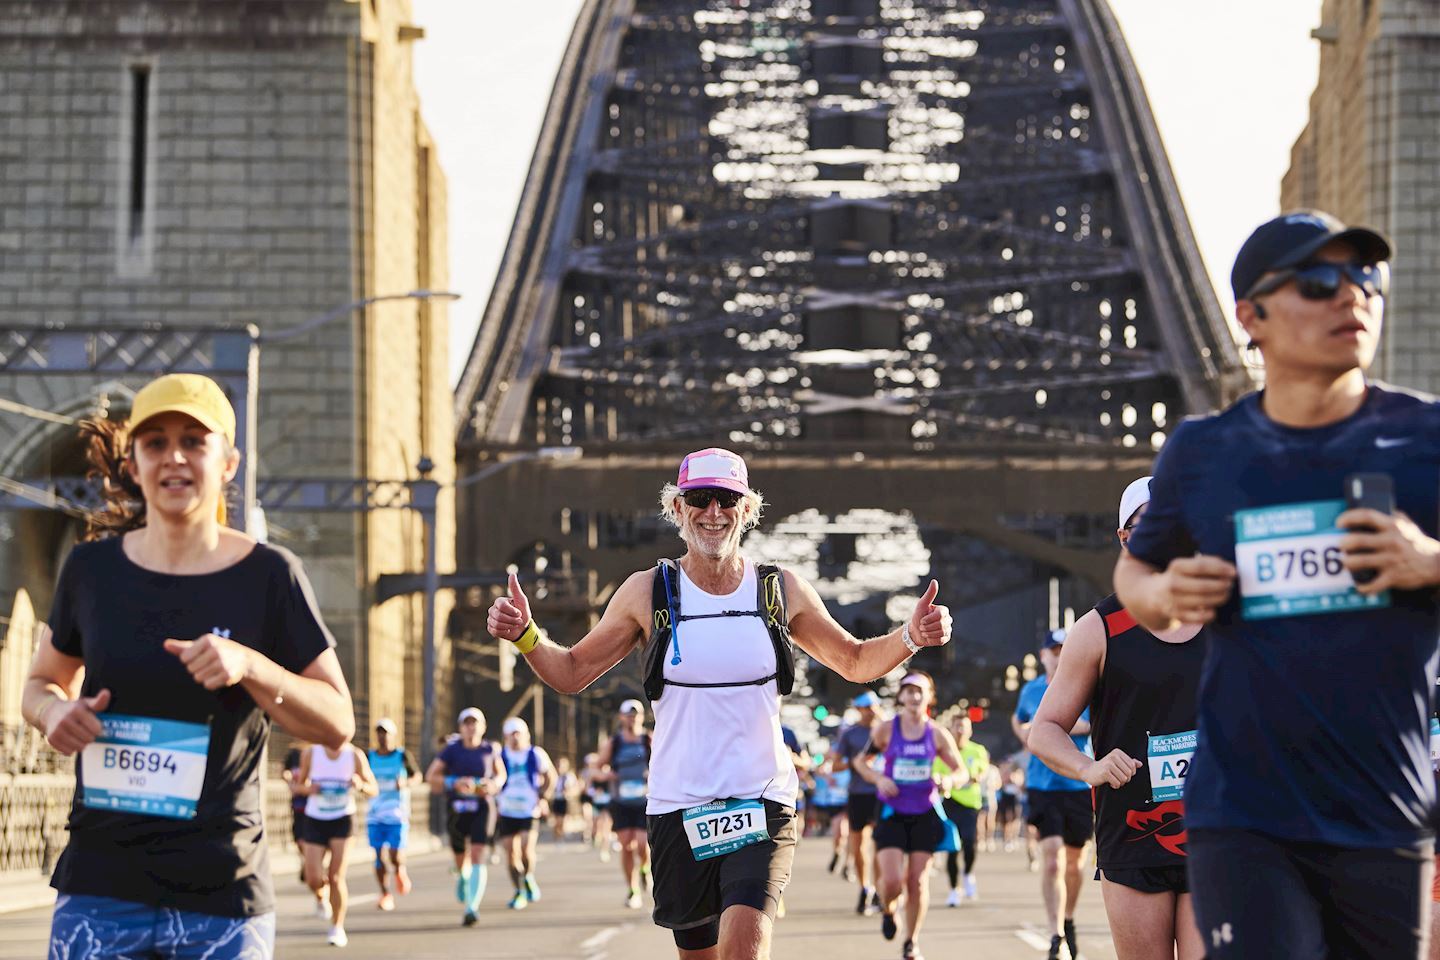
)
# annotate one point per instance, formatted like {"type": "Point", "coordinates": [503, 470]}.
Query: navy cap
{"type": "Point", "coordinates": [1051, 639]}
{"type": "Point", "coordinates": [1291, 239]}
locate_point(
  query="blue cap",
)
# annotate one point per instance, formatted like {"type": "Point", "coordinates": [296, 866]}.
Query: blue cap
{"type": "Point", "coordinates": [1052, 639]}
{"type": "Point", "coordinates": [866, 699]}
{"type": "Point", "coordinates": [1292, 238]}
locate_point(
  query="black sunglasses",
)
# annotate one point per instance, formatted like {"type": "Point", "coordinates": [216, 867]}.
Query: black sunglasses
{"type": "Point", "coordinates": [1321, 281]}
{"type": "Point", "coordinates": [700, 498]}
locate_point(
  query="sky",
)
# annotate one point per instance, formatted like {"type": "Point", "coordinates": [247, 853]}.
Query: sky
{"type": "Point", "coordinates": [1229, 83]}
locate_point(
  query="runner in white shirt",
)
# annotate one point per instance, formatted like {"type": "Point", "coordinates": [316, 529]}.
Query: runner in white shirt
{"type": "Point", "coordinates": [717, 633]}
{"type": "Point", "coordinates": [523, 803]}
{"type": "Point", "coordinates": [330, 779]}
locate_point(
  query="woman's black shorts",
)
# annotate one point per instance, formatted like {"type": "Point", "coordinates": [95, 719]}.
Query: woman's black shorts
{"type": "Point", "coordinates": [477, 826]}
{"type": "Point", "coordinates": [323, 831]}
{"type": "Point", "coordinates": [911, 832]}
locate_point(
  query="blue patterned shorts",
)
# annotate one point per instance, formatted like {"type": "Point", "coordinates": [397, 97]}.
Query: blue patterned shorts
{"type": "Point", "coordinates": [101, 928]}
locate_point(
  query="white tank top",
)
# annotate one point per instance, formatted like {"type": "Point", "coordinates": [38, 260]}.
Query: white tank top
{"type": "Point", "coordinates": [719, 742]}
{"type": "Point", "coordinates": [336, 798]}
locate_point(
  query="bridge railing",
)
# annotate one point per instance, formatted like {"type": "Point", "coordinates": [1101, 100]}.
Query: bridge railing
{"type": "Point", "coordinates": [23, 750]}
{"type": "Point", "coordinates": [34, 809]}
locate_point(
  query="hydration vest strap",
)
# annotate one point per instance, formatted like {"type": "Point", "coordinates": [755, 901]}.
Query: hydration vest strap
{"type": "Point", "coordinates": [711, 686]}
{"type": "Point", "coordinates": [727, 613]}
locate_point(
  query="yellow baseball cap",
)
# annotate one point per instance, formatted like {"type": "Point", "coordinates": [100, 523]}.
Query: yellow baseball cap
{"type": "Point", "coordinates": [193, 395]}
{"type": "Point", "coordinates": [188, 393]}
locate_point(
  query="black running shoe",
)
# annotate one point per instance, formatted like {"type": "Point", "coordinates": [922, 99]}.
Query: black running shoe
{"type": "Point", "coordinates": [1055, 943]}
{"type": "Point", "coordinates": [834, 861]}
{"type": "Point", "coordinates": [910, 951]}
{"type": "Point", "coordinates": [1070, 938]}
{"type": "Point", "coordinates": [887, 926]}
{"type": "Point", "coordinates": [470, 919]}
{"type": "Point", "coordinates": [860, 907]}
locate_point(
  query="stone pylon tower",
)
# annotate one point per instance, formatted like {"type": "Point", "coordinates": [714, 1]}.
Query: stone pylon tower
{"type": "Point", "coordinates": [216, 163]}
{"type": "Point", "coordinates": [1370, 155]}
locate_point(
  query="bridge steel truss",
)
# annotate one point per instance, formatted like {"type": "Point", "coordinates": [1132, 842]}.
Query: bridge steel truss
{"type": "Point", "coordinates": [920, 254]}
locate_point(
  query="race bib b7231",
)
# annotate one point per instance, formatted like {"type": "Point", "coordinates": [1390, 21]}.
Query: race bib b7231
{"type": "Point", "coordinates": [145, 765]}
{"type": "Point", "coordinates": [724, 826]}
{"type": "Point", "coordinates": [1290, 562]}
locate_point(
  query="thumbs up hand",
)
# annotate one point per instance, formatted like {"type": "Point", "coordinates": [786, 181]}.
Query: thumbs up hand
{"type": "Point", "coordinates": [510, 613]}
{"type": "Point", "coordinates": [930, 623]}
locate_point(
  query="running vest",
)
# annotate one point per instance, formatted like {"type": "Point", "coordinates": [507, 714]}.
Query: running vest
{"type": "Point", "coordinates": [630, 762]}
{"type": "Point", "coordinates": [1145, 704]}
{"type": "Point", "coordinates": [911, 764]}
{"type": "Point", "coordinates": [392, 803]}
{"type": "Point", "coordinates": [520, 797]}
{"type": "Point", "coordinates": [666, 641]}
{"type": "Point", "coordinates": [717, 728]}
{"type": "Point", "coordinates": [336, 798]}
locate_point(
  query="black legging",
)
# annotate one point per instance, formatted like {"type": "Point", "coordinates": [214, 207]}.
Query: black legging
{"type": "Point", "coordinates": [964, 819]}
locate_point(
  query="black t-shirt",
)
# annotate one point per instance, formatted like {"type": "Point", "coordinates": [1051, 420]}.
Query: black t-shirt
{"type": "Point", "coordinates": [117, 615]}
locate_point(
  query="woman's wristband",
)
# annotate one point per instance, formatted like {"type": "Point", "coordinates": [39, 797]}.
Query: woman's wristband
{"type": "Point", "coordinates": [528, 639]}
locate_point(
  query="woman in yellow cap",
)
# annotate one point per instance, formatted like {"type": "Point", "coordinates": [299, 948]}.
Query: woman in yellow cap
{"type": "Point", "coordinates": [172, 643]}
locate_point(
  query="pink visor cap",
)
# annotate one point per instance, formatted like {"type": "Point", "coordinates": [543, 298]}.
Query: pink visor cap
{"type": "Point", "coordinates": [714, 467]}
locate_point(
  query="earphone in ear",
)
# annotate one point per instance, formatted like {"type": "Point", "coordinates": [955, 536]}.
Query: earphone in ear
{"type": "Point", "coordinates": [1259, 309]}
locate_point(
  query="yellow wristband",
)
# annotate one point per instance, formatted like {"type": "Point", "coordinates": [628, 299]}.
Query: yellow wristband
{"type": "Point", "coordinates": [529, 639]}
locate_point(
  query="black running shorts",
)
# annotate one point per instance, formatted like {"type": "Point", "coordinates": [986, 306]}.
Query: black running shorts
{"type": "Point", "coordinates": [628, 816]}
{"type": "Point", "coordinates": [1067, 814]}
{"type": "Point", "coordinates": [509, 826]}
{"type": "Point", "coordinates": [861, 809]}
{"type": "Point", "coordinates": [476, 826]}
{"type": "Point", "coordinates": [1259, 897]}
{"type": "Point", "coordinates": [692, 893]}
{"type": "Point", "coordinates": [1149, 879]}
{"type": "Point", "coordinates": [323, 831]}
{"type": "Point", "coordinates": [912, 832]}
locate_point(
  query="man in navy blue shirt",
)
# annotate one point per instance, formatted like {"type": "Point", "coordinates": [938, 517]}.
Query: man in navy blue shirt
{"type": "Point", "coordinates": [1309, 799]}
{"type": "Point", "coordinates": [1060, 808]}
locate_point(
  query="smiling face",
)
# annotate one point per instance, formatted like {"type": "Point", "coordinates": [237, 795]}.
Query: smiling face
{"type": "Point", "coordinates": [713, 531]}
{"type": "Point", "coordinates": [913, 699]}
{"type": "Point", "coordinates": [1316, 336]}
{"type": "Point", "coordinates": [180, 466]}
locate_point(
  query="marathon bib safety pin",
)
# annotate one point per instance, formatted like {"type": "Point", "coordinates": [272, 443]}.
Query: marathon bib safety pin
{"type": "Point", "coordinates": [724, 826]}
{"type": "Point", "coordinates": [1291, 565]}
{"type": "Point", "coordinates": [145, 765]}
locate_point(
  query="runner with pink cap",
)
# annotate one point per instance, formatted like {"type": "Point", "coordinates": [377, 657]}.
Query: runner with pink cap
{"type": "Point", "coordinates": [716, 630]}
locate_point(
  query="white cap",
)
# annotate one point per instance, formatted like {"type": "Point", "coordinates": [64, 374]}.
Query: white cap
{"type": "Point", "coordinates": [386, 724]}
{"type": "Point", "coordinates": [632, 706]}
{"type": "Point", "coordinates": [1135, 496]}
{"type": "Point", "coordinates": [469, 712]}
{"type": "Point", "coordinates": [515, 725]}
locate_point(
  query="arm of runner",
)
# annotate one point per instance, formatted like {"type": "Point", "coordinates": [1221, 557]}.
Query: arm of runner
{"type": "Point", "coordinates": [1188, 590]}
{"type": "Point", "coordinates": [879, 740]}
{"type": "Point", "coordinates": [571, 670]}
{"type": "Point", "coordinates": [303, 777]}
{"type": "Point", "coordinates": [947, 750]}
{"type": "Point", "coordinates": [1081, 662]}
{"type": "Point", "coordinates": [51, 701]}
{"type": "Point", "coordinates": [603, 773]}
{"type": "Point", "coordinates": [435, 776]}
{"type": "Point", "coordinates": [1020, 727]}
{"type": "Point", "coordinates": [412, 772]}
{"type": "Point", "coordinates": [493, 784]}
{"type": "Point", "coordinates": [1402, 555]}
{"type": "Point", "coordinates": [363, 778]}
{"type": "Point", "coordinates": [860, 661]}
{"type": "Point", "coordinates": [547, 775]}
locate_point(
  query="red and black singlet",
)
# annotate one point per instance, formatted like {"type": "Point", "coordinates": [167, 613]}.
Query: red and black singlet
{"type": "Point", "coordinates": [1147, 689]}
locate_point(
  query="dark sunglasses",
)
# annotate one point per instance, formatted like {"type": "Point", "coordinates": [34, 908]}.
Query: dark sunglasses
{"type": "Point", "coordinates": [700, 499]}
{"type": "Point", "coordinates": [1321, 281]}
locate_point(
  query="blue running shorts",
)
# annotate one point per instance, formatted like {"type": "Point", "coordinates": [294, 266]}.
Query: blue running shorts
{"type": "Point", "coordinates": [103, 928]}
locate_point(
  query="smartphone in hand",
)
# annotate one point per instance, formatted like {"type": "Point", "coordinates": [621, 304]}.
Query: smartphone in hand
{"type": "Point", "coordinates": [1371, 491]}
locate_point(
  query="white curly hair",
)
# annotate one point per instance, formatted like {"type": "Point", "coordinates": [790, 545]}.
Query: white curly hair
{"type": "Point", "coordinates": [670, 492]}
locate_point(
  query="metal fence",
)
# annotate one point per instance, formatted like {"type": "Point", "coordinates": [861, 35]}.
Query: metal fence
{"type": "Point", "coordinates": [23, 750]}
{"type": "Point", "coordinates": [34, 809]}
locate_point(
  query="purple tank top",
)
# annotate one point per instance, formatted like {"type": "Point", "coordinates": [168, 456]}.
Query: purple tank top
{"type": "Point", "coordinates": [911, 764]}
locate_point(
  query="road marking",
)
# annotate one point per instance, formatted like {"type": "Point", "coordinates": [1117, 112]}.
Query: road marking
{"type": "Point", "coordinates": [1035, 936]}
{"type": "Point", "coordinates": [593, 945]}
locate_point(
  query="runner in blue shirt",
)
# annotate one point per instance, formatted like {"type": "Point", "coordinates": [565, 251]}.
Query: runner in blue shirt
{"type": "Point", "coordinates": [1060, 808]}
{"type": "Point", "coordinates": [388, 818]}
{"type": "Point", "coordinates": [1310, 770]}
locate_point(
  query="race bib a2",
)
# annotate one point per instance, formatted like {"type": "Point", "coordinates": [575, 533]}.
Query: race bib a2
{"type": "Point", "coordinates": [1169, 757]}
{"type": "Point", "coordinates": [1290, 562]}
{"type": "Point", "coordinates": [145, 765]}
{"type": "Point", "coordinates": [724, 826]}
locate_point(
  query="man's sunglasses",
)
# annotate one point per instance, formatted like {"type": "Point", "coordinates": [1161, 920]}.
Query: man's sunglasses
{"type": "Point", "coordinates": [700, 498]}
{"type": "Point", "coordinates": [1321, 281]}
